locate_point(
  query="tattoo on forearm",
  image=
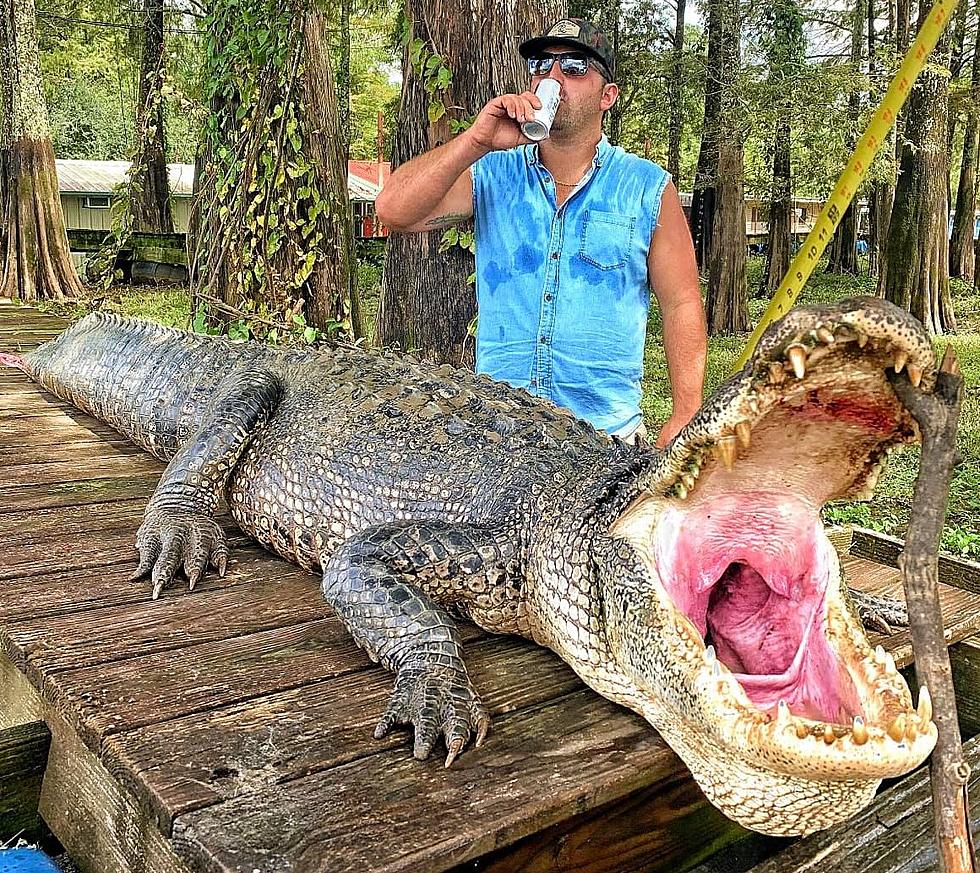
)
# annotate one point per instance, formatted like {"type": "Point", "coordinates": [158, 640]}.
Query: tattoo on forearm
{"type": "Point", "coordinates": [447, 220]}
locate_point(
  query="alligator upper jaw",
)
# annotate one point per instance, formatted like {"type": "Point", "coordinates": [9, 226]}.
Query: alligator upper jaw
{"type": "Point", "coordinates": [747, 582]}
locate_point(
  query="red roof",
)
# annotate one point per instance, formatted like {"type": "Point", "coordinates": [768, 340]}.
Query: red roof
{"type": "Point", "coordinates": [370, 171]}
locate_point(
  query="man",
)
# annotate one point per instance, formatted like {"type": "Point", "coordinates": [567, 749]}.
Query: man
{"type": "Point", "coordinates": [571, 234]}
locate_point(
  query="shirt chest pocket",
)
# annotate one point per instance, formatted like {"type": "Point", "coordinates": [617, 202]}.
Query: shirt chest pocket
{"type": "Point", "coordinates": [607, 239]}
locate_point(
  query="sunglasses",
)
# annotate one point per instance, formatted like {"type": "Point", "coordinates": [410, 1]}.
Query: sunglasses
{"type": "Point", "coordinates": [571, 64]}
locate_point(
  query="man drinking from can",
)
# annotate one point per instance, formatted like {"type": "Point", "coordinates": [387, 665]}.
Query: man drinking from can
{"type": "Point", "coordinates": [572, 233]}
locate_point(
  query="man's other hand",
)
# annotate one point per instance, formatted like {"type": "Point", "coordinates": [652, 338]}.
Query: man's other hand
{"type": "Point", "coordinates": [671, 429]}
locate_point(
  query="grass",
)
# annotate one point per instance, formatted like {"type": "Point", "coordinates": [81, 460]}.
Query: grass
{"type": "Point", "coordinates": [887, 513]}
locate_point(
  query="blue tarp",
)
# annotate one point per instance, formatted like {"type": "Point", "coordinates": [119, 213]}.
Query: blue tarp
{"type": "Point", "coordinates": [25, 861]}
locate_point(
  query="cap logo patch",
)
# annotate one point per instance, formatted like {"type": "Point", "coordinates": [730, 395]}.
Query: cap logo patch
{"type": "Point", "coordinates": [565, 28]}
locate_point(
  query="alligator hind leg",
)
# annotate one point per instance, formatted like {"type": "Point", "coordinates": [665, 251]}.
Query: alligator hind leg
{"type": "Point", "coordinates": [389, 584]}
{"type": "Point", "coordinates": [879, 612]}
{"type": "Point", "coordinates": [178, 528]}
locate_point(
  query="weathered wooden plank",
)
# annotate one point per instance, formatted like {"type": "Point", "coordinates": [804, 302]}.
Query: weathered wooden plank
{"type": "Point", "coordinates": [108, 698]}
{"type": "Point", "coordinates": [20, 498]}
{"type": "Point", "coordinates": [100, 824]}
{"type": "Point", "coordinates": [573, 754]}
{"type": "Point", "coordinates": [53, 428]}
{"type": "Point", "coordinates": [960, 607]}
{"type": "Point", "coordinates": [894, 835]}
{"type": "Point", "coordinates": [97, 636]}
{"type": "Point", "coordinates": [198, 760]}
{"type": "Point", "coordinates": [80, 452]}
{"type": "Point", "coordinates": [661, 829]}
{"type": "Point", "coordinates": [41, 595]}
{"type": "Point", "coordinates": [23, 757]}
{"type": "Point", "coordinates": [964, 659]}
{"type": "Point", "coordinates": [885, 550]}
{"type": "Point", "coordinates": [65, 471]}
{"type": "Point", "coordinates": [25, 397]}
{"type": "Point", "coordinates": [19, 528]}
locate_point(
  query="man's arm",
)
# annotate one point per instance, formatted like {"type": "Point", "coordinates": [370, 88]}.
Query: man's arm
{"type": "Point", "coordinates": [674, 279]}
{"type": "Point", "coordinates": [435, 190]}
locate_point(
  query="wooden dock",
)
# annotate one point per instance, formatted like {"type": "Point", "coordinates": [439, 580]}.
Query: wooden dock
{"type": "Point", "coordinates": [230, 728]}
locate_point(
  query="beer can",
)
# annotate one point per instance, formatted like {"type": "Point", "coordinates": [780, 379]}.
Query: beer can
{"type": "Point", "coordinates": [539, 127]}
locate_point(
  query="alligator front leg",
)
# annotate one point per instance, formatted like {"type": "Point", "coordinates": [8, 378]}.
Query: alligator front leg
{"type": "Point", "coordinates": [178, 528]}
{"type": "Point", "coordinates": [387, 584]}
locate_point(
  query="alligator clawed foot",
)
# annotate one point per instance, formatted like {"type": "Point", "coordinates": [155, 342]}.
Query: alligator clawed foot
{"type": "Point", "coordinates": [436, 700]}
{"type": "Point", "coordinates": [879, 612]}
{"type": "Point", "coordinates": [169, 540]}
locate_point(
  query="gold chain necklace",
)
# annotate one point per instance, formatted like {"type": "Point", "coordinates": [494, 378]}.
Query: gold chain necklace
{"type": "Point", "coordinates": [567, 184]}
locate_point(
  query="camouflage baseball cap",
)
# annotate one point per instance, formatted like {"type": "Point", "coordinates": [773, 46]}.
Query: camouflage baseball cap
{"type": "Point", "coordinates": [575, 33]}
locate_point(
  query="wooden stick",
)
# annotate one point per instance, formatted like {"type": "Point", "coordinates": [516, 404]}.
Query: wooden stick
{"type": "Point", "coordinates": [937, 414]}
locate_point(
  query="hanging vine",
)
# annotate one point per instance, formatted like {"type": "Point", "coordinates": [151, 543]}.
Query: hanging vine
{"type": "Point", "coordinates": [269, 220]}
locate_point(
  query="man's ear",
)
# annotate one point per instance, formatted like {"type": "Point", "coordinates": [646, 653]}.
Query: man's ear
{"type": "Point", "coordinates": [609, 94]}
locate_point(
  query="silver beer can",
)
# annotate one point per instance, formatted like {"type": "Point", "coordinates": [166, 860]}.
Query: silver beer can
{"type": "Point", "coordinates": [539, 127]}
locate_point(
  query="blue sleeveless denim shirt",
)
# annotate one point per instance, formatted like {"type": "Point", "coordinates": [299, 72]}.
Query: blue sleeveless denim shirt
{"type": "Point", "coordinates": [563, 293]}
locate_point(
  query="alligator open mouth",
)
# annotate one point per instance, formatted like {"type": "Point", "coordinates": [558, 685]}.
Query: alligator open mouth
{"type": "Point", "coordinates": [773, 657]}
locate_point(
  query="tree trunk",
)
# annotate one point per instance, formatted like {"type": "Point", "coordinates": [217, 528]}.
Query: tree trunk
{"type": "Point", "coordinates": [843, 247]}
{"type": "Point", "coordinates": [917, 251]}
{"type": "Point", "coordinates": [727, 308]}
{"type": "Point", "coordinates": [616, 113]}
{"type": "Point", "coordinates": [37, 262]}
{"type": "Point", "coordinates": [961, 256]}
{"type": "Point", "coordinates": [780, 211]}
{"type": "Point", "coordinates": [343, 79]}
{"type": "Point", "coordinates": [273, 240]}
{"type": "Point", "coordinates": [879, 191]}
{"type": "Point", "coordinates": [149, 186]}
{"type": "Point", "coordinates": [426, 301]}
{"type": "Point", "coordinates": [703, 200]}
{"type": "Point", "coordinates": [675, 93]}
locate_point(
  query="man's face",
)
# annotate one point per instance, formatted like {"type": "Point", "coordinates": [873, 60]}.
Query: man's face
{"type": "Point", "coordinates": [583, 98]}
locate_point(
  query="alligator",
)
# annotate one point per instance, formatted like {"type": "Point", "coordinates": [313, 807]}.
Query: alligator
{"type": "Point", "coordinates": [694, 585]}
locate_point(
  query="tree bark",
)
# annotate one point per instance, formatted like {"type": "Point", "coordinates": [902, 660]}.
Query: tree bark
{"type": "Point", "coordinates": [343, 79]}
{"type": "Point", "coordinates": [842, 256]}
{"type": "Point", "coordinates": [149, 185]}
{"type": "Point", "coordinates": [675, 95]}
{"type": "Point", "coordinates": [917, 252]}
{"type": "Point", "coordinates": [274, 236]}
{"type": "Point", "coordinates": [37, 262]}
{"type": "Point", "coordinates": [703, 200]}
{"type": "Point", "coordinates": [727, 298]}
{"type": "Point", "coordinates": [880, 191]}
{"type": "Point", "coordinates": [961, 255]}
{"type": "Point", "coordinates": [780, 210]}
{"type": "Point", "coordinates": [426, 302]}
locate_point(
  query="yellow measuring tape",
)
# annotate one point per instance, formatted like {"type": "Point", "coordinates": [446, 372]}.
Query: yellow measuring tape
{"type": "Point", "coordinates": [857, 168]}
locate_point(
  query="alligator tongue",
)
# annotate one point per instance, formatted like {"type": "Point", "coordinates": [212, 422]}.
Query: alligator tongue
{"type": "Point", "coordinates": [751, 574]}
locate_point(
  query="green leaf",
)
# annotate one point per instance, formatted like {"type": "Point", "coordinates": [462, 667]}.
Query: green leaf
{"type": "Point", "coordinates": [309, 334]}
{"type": "Point", "coordinates": [436, 111]}
{"type": "Point", "coordinates": [299, 319]}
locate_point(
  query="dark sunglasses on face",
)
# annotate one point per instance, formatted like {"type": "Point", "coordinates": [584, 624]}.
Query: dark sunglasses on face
{"type": "Point", "coordinates": [571, 64]}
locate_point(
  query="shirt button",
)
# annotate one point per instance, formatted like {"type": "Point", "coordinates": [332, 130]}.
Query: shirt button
{"type": "Point", "coordinates": [534, 383]}
{"type": "Point", "coordinates": [554, 256]}
{"type": "Point", "coordinates": [548, 298]}
{"type": "Point", "coordinates": [544, 340]}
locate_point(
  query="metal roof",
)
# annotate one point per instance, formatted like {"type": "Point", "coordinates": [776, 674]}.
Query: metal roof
{"type": "Point", "coordinates": [100, 177]}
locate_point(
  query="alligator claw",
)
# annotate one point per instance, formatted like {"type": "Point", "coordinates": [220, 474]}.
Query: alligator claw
{"type": "Point", "coordinates": [880, 613]}
{"type": "Point", "coordinates": [170, 540]}
{"type": "Point", "coordinates": [436, 700]}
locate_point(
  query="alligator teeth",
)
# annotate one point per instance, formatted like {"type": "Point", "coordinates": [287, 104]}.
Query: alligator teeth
{"type": "Point", "coordinates": [726, 449]}
{"type": "Point", "coordinates": [797, 357]}
{"type": "Point", "coordinates": [896, 730]}
{"type": "Point", "coordinates": [688, 480]}
{"type": "Point", "coordinates": [900, 359]}
{"type": "Point", "coordinates": [829, 737]}
{"type": "Point", "coordinates": [801, 730]}
{"type": "Point", "coordinates": [743, 430]}
{"type": "Point", "coordinates": [859, 731]}
{"type": "Point", "coordinates": [716, 670]}
{"type": "Point", "coordinates": [681, 491]}
{"type": "Point", "coordinates": [915, 374]}
{"type": "Point", "coordinates": [880, 654]}
{"type": "Point", "coordinates": [924, 709]}
{"type": "Point", "coordinates": [862, 339]}
{"type": "Point", "coordinates": [782, 713]}
{"type": "Point", "coordinates": [776, 374]}
{"type": "Point", "coordinates": [709, 655]}
{"type": "Point", "coordinates": [825, 335]}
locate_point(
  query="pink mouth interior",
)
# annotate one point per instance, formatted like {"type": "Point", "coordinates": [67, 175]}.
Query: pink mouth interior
{"type": "Point", "coordinates": [750, 571]}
